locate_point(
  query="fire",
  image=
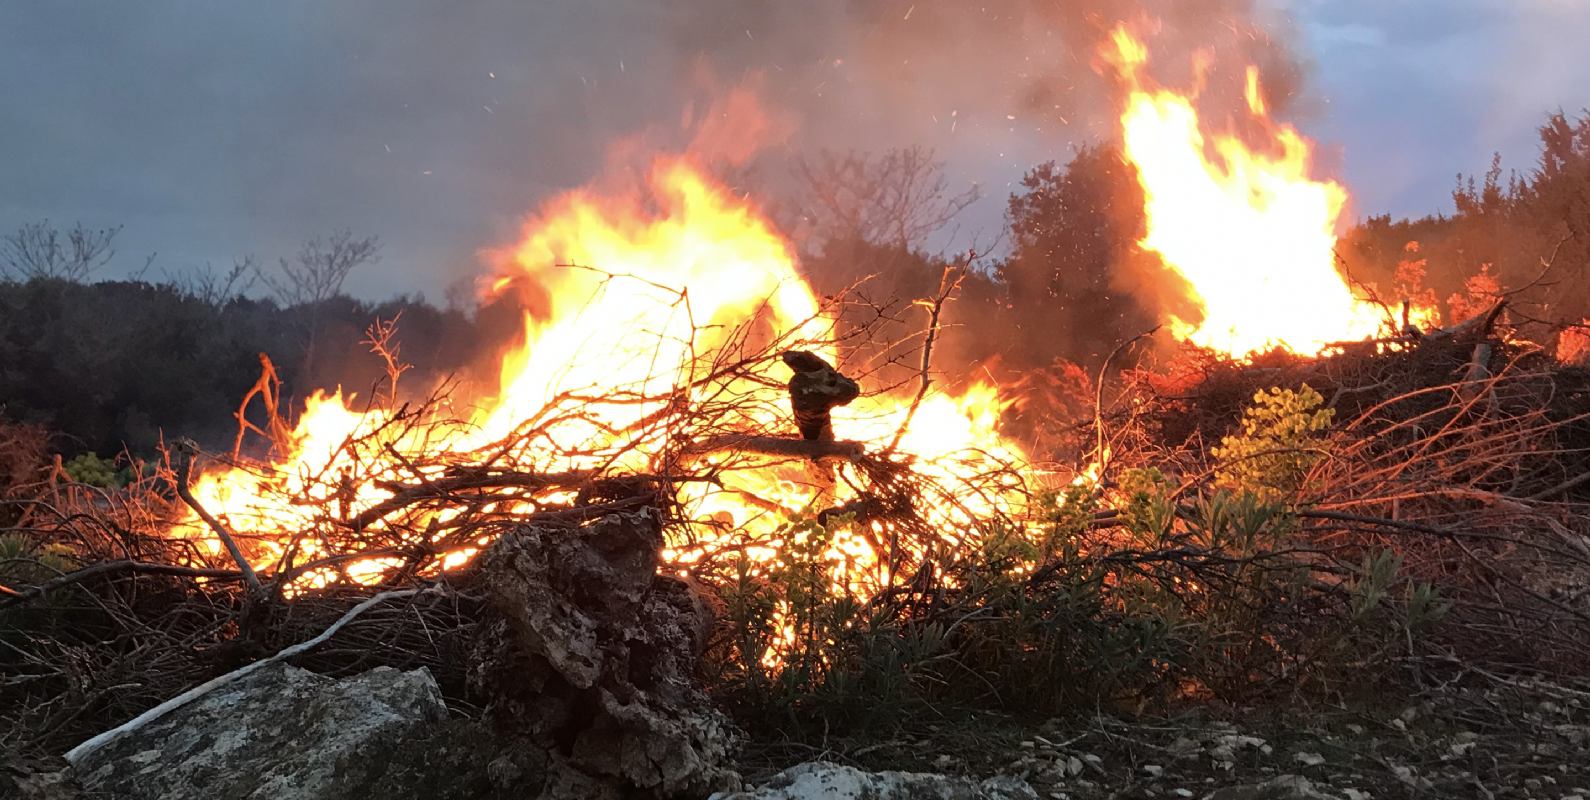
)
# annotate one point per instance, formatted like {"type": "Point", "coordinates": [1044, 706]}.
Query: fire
{"type": "Point", "coordinates": [1252, 232]}
{"type": "Point", "coordinates": [646, 308]}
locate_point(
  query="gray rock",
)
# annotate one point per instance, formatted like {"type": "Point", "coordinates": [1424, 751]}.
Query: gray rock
{"type": "Point", "coordinates": [595, 659]}
{"type": "Point", "coordinates": [280, 733]}
{"type": "Point", "coordinates": [1281, 787]}
{"type": "Point", "coordinates": [822, 780]}
{"type": "Point", "coordinates": [33, 781]}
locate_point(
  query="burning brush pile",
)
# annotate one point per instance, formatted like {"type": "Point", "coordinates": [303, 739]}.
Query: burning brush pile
{"type": "Point", "coordinates": [693, 488]}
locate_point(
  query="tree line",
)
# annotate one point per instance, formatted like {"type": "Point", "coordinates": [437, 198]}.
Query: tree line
{"type": "Point", "coordinates": [109, 365]}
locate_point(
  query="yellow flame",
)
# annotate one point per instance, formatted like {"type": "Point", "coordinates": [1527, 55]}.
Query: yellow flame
{"type": "Point", "coordinates": [643, 297]}
{"type": "Point", "coordinates": [1252, 232]}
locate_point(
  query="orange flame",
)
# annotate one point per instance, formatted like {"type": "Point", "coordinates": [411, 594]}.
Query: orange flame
{"type": "Point", "coordinates": [1252, 233]}
{"type": "Point", "coordinates": [647, 298]}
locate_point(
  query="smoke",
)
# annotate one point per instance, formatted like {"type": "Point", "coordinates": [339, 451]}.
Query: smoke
{"type": "Point", "coordinates": [213, 130]}
{"type": "Point", "coordinates": [994, 89]}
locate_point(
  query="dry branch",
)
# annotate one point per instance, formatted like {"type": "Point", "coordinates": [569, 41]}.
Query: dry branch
{"type": "Point", "coordinates": [77, 753]}
{"type": "Point", "coordinates": [189, 452]}
{"type": "Point", "coordinates": [949, 283]}
{"type": "Point", "coordinates": [448, 487]}
{"type": "Point", "coordinates": [116, 568]}
{"type": "Point", "coordinates": [777, 446]}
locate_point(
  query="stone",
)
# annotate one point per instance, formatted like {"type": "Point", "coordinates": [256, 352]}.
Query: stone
{"type": "Point", "coordinates": [595, 659]}
{"type": "Point", "coordinates": [823, 780]}
{"type": "Point", "coordinates": [280, 732]}
{"type": "Point", "coordinates": [34, 781]}
{"type": "Point", "coordinates": [1281, 787]}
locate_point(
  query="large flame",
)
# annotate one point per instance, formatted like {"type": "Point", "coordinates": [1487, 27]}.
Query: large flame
{"type": "Point", "coordinates": [643, 303]}
{"type": "Point", "coordinates": [1252, 232]}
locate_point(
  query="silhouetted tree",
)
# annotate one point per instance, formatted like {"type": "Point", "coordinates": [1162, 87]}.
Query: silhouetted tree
{"type": "Point", "coordinates": [900, 198]}
{"type": "Point", "coordinates": [1497, 236]}
{"type": "Point", "coordinates": [322, 265]}
{"type": "Point", "coordinates": [40, 250]}
{"type": "Point", "coordinates": [1073, 233]}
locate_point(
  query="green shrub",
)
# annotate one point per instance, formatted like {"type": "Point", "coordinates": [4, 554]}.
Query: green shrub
{"type": "Point", "coordinates": [92, 470]}
{"type": "Point", "coordinates": [1183, 592]}
{"type": "Point", "coordinates": [1280, 439]}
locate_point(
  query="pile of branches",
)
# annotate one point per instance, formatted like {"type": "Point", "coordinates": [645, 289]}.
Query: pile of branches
{"type": "Point", "coordinates": [1465, 454]}
{"type": "Point", "coordinates": [1462, 455]}
{"type": "Point", "coordinates": [119, 599]}
{"type": "Point", "coordinates": [1439, 532]}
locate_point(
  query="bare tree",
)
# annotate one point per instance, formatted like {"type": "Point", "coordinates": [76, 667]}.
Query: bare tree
{"type": "Point", "coordinates": [899, 198]}
{"type": "Point", "coordinates": [321, 267]}
{"type": "Point", "coordinates": [40, 250]}
{"type": "Point", "coordinates": [217, 288]}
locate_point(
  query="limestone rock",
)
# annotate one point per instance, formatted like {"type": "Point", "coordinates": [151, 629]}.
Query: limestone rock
{"type": "Point", "coordinates": [34, 781]}
{"type": "Point", "coordinates": [1281, 787]}
{"type": "Point", "coordinates": [596, 660]}
{"type": "Point", "coordinates": [280, 733]}
{"type": "Point", "coordinates": [822, 780]}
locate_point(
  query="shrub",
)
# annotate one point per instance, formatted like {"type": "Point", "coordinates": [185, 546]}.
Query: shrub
{"type": "Point", "coordinates": [1279, 440]}
{"type": "Point", "coordinates": [1175, 593]}
{"type": "Point", "coordinates": [90, 469]}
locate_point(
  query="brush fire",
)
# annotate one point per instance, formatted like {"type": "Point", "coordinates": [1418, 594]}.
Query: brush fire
{"type": "Point", "coordinates": [657, 347]}
{"type": "Point", "coordinates": [701, 498]}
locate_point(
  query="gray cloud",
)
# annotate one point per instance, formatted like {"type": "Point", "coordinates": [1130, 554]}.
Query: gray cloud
{"type": "Point", "coordinates": [213, 129]}
{"type": "Point", "coordinates": [1411, 93]}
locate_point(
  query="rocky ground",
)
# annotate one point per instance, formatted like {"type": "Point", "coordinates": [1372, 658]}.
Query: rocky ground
{"type": "Point", "coordinates": [590, 659]}
{"type": "Point", "coordinates": [284, 733]}
{"type": "Point", "coordinates": [1510, 741]}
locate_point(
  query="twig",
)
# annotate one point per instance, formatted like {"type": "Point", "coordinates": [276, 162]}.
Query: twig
{"type": "Point", "coordinates": [778, 446]}
{"type": "Point", "coordinates": [104, 567]}
{"type": "Point", "coordinates": [441, 488]}
{"type": "Point", "coordinates": [1098, 399]}
{"type": "Point", "coordinates": [190, 452]}
{"type": "Point", "coordinates": [87, 748]}
{"type": "Point", "coordinates": [950, 281]}
{"type": "Point", "coordinates": [1571, 483]}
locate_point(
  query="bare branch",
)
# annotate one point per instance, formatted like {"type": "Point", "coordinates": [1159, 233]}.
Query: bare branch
{"type": "Point", "coordinates": [317, 273]}
{"type": "Point", "coordinates": [185, 461]}
{"type": "Point", "coordinates": [899, 198]}
{"type": "Point", "coordinates": [39, 250]}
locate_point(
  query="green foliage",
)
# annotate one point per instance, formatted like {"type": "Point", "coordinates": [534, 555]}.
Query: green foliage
{"type": "Point", "coordinates": [1279, 440]}
{"type": "Point", "coordinates": [1148, 511]}
{"type": "Point", "coordinates": [1217, 594]}
{"type": "Point", "coordinates": [1373, 596]}
{"type": "Point", "coordinates": [89, 468]}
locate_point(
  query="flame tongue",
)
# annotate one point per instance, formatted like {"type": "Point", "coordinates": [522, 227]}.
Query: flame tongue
{"type": "Point", "coordinates": [1252, 233]}
{"type": "Point", "coordinates": [650, 305]}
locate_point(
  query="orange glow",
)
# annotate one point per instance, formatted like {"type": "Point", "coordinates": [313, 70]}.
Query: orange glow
{"type": "Point", "coordinates": [646, 296]}
{"type": "Point", "coordinates": [1252, 232]}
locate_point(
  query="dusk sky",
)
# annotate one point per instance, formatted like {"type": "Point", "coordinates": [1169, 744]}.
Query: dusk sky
{"type": "Point", "coordinates": [211, 130]}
